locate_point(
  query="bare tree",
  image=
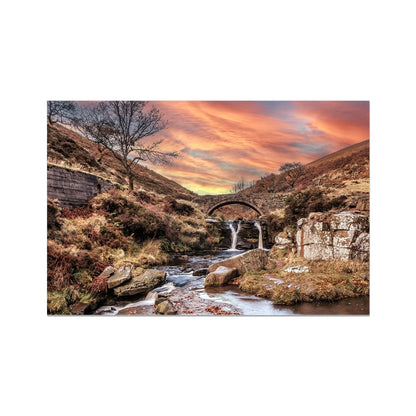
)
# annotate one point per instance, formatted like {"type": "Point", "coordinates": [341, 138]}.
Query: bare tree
{"type": "Point", "coordinates": [61, 111]}
{"type": "Point", "coordinates": [292, 171]}
{"type": "Point", "coordinates": [241, 184]}
{"type": "Point", "coordinates": [119, 127]}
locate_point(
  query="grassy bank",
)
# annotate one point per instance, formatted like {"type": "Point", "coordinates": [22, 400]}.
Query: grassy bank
{"type": "Point", "coordinates": [325, 280]}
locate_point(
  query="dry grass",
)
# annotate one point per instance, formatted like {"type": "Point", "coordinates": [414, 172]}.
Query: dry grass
{"type": "Point", "coordinates": [350, 187]}
{"type": "Point", "coordinates": [148, 254]}
{"type": "Point", "coordinates": [325, 281]}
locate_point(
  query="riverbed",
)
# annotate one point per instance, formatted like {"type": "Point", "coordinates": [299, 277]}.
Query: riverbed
{"type": "Point", "coordinates": [185, 289]}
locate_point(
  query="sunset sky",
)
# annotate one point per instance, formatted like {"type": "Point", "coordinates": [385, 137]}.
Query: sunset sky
{"type": "Point", "coordinates": [221, 142]}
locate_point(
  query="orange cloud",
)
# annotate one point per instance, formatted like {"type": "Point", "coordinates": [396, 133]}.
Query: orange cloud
{"type": "Point", "coordinates": [221, 142]}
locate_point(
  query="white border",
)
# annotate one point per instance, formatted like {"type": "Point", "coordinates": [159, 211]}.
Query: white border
{"type": "Point", "coordinates": [242, 50]}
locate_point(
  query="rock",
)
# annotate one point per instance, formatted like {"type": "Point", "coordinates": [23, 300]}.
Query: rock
{"type": "Point", "coordinates": [249, 261]}
{"type": "Point", "coordinates": [107, 272]}
{"type": "Point", "coordinates": [200, 272]}
{"type": "Point", "coordinates": [221, 276]}
{"type": "Point", "coordinates": [80, 308]}
{"type": "Point", "coordinates": [297, 268]}
{"type": "Point", "coordinates": [165, 308]}
{"type": "Point", "coordinates": [141, 282]}
{"type": "Point", "coordinates": [245, 245]}
{"type": "Point", "coordinates": [363, 204]}
{"type": "Point", "coordinates": [161, 298]}
{"type": "Point", "coordinates": [361, 247]}
{"type": "Point", "coordinates": [282, 241]}
{"type": "Point", "coordinates": [119, 277]}
{"type": "Point", "coordinates": [333, 236]}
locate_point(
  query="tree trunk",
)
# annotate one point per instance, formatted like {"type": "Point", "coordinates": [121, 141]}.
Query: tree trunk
{"type": "Point", "coordinates": [131, 182]}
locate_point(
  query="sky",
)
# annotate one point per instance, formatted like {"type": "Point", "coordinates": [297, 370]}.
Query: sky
{"type": "Point", "coordinates": [220, 142]}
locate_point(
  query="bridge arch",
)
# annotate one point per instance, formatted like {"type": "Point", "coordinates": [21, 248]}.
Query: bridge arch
{"type": "Point", "coordinates": [232, 202]}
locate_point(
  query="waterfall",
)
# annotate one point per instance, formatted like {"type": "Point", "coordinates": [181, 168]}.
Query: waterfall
{"type": "Point", "coordinates": [258, 226]}
{"type": "Point", "coordinates": [234, 234]}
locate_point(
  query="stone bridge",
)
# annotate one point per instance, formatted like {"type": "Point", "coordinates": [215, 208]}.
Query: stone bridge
{"type": "Point", "coordinates": [261, 203]}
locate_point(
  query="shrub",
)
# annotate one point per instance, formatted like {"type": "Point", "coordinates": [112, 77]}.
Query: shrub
{"type": "Point", "coordinates": [180, 207]}
{"type": "Point", "coordinates": [98, 286]}
{"type": "Point", "coordinates": [57, 303]}
{"type": "Point", "coordinates": [54, 219]}
{"type": "Point", "coordinates": [65, 262]}
{"type": "Point", "coordinates": [301, 204]}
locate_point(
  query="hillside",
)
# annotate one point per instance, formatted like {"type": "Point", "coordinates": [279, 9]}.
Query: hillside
{"type": "Point", "coordinates": [69, 149]}
{"type": "Point", "coordinates": [344, 172]}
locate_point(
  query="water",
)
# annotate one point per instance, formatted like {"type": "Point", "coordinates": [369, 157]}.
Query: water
{"type": "Point", "coordinates": [189, 294]}
{"type": "Point", "coordinates": [234, 233]}
{"type": "Point", "coordinates": [258, 226]}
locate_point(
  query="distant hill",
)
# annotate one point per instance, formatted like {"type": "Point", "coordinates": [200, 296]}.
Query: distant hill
{"type": "Point", "coordinates": [361, 148]}
{"type": "Point", "coordinates": [343, 172]}
{"type": "Point", "coordinates": [69, 149]}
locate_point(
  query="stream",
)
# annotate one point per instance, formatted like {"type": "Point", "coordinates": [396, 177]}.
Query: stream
{"type": "Point", "coordinates": [185, 288]}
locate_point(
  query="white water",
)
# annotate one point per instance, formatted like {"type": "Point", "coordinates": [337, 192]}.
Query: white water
{"type": "Point", "coordinates": [258, 226]}
{"type": "Point", "coordinates": [234, 234]}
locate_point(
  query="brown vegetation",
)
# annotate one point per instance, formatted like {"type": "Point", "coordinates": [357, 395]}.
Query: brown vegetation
{"type": "Point", "coordinates": [325, 280]}
{"type": "Point", "coordinates": [331, 172]}
{"type": "Point", "coordinates": [117, 227]}
{"type": "Point", "coordinates": [300, 205]}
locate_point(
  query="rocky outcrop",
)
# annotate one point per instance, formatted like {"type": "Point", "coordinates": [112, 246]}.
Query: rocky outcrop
{"type": "Point", "coordinates": [141, 282]}
{"type": "Point", "coordinates": [284, 240]}
{"type": "Point", "coordinates": [329, 236]}
{"type": "Point", "coordinates": [247, 262]}
{"type": "Point", "coordinates": [221, 276]}
{"type": "Point", "coordinates": [119, 277]}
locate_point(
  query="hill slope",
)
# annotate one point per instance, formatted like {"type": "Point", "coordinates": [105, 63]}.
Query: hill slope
{"type": "Point", "coordinates": [69, 149]}
{"type": "Point", "coordinates": [343, 172]}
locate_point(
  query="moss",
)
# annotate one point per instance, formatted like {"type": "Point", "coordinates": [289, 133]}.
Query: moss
{"type": "Point", "coordinates": [57, 303]}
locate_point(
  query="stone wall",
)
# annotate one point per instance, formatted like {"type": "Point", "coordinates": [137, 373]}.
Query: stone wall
{"type": "Point", "coordinates": [73, 188]}
{"type": "Point", "coordinates": [329, 236]}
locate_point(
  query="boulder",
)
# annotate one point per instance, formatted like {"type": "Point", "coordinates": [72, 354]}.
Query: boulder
{"type": "Point", "coordinates": [249, 261]}
{"type": "Point", "coordinates": [221, 276]}
{"type": "Point", "coordinates": [165, 308]}
{"type": "Point", "coordinates": [333, 236]}
{"type": "Point", "coordinates": [141, 282]}
{"type": "Point", "coordinates": [282, 241]}
{"type": "Point", "coordinates": [119, 277]}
